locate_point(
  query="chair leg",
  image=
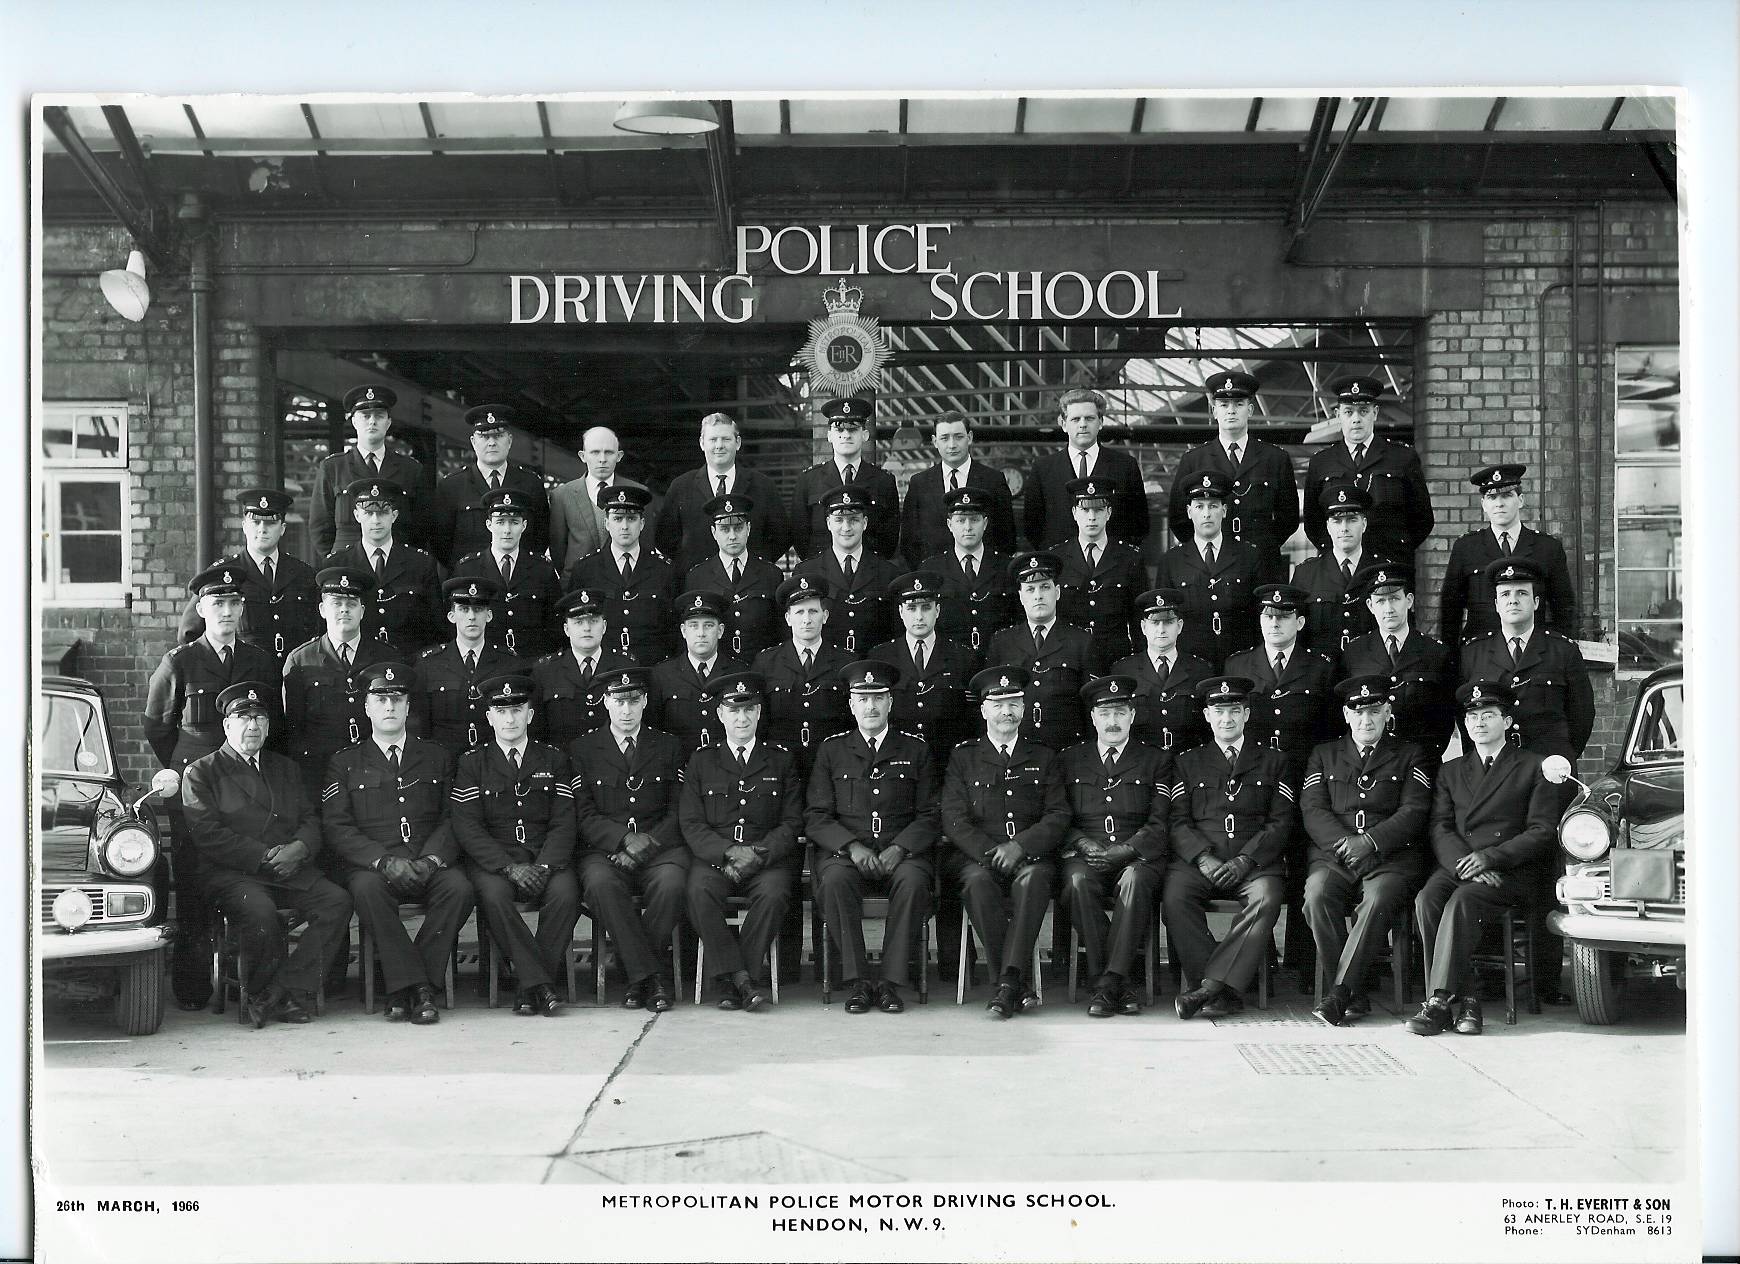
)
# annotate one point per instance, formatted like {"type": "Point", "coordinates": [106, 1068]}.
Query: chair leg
{"type": "Point", "coordinates": [492, 971]}
{"type": "Point", "coordinates": [1153, 957]}
{"type": "Point", "coordinates": [366, 960]}
{"type": "Point", "coordinates": [485, 963]}
{"type": "Point", "coordinates": [700, 965]}
{"type": "Point", "coordinates": [677, 958]}
{"type": "Point", "coordinates": [1509, 969]}
{"type": "Point", "coordinates": [924, 962]}
{"type": "Point", "coordinates": [598, 961]}
{"type": "Point", "coordinates": [1038, 975]}
{"type": "Point", "coordinates": [1263, 983]}
{"type": "Point", "coordinates": [572, 972]}
{"type": "Point", "coordinates": [1074, 946]}
{"type": "Point", "coordinates": [1530, 964]}
{"type": "Point", "coordinates": [961, 970]}
{"type": "Point", "coordinates": [819, 926]}
{"type": "Point", "coordinates": [773, 968]}
{"type": "Point", "coordinates": [1401, 941]}
{"type": "Point", "coordinates": [452, 973]}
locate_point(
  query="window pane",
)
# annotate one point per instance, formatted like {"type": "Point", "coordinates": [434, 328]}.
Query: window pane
{"type": "Point", "coordinates": [99, 436]}
{"type": "Point", "coordinates": [57, 439]}
{"type": "Point", "coordinates": [1648, 404]}
{"type": "Point", "coordinates": [69, 737]}
{"type": "Point", "coordinates": [90, 559]}
{"type": "Point", "coordinates": [1649, 543]}
{"type": "Point", "coordinates": [90, 506]}
{"type": "Point", "coordinates": [1660, 724]}
{"type": "Point", "coordinates": [1647, 489]}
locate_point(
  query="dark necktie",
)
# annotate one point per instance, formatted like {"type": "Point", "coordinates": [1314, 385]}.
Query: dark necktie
{"type": "Point", "coordinates": [628, 749]}
{"type": "Point", "coordinates": [1233, 452]}
{"type": "Point", "coordinates": [1163, 667]}
{"type": "Point", "coordinates": [1395, 652]}
{"type": "Point", "coordinates": [586, 669]}
{"type": "Point", "coordinates": [848, 567]}
{"type": "Point", "coordinates": [514, 757]}
{"type": "Point", "coordinates": [1516, 649]}
{"type": "Point", "coordinates": [809, 660]}
{"type": "Point", "coordinates": [1208, 554]}
{"type": "Point", "coordinates": [1504, 542]}
{"type": "Point", "coordinates": [1038, 640]}
{"type": "Point", "coordinates": [380, 563]}
{"type": "Point", "coordinates": [742, 758]}
{"type": "Point", "coordinates": [701, 670]}
{"type": "Point", "coordinates": [224, 654]}
{"type": "Point", "coordinates": [470, 660]}
{"type": "Point", "coordinates": [1232, 756]}
{"type": "Point", "coordinates": [721, 485]}
{"type": "Point", "coordinates": [627, 570]}
{"type": "Point", "coordinates": [494, 479]}
{"type": "Point", "coordinates": [254, 763]}
{"type": "Point", "coordinates": [374, 463]}
{"type": "Point", "coordinates": [1346, 571]}
{"type": "Point", "coordinates": [1004, 752]}
{"type": "Point", "coordinates": [918, 656]}
{"type": "Point", "coordinates": [344, 653]}
{"type": "Point", "coordinates": [507, 569]}
{"type": "Point", "coordinates": [1359, 454]}
{"type": "Point", "coordinates": [736, 572]}
{"type": "Point", "coordinates": [1111, 758]}
{"type": "Point", "coordinates": [1364, 755]}
{"type": "Point", "coordinates": [267, 569]}
{"type": "Point", "coordinates": [851, 475]}
{"type": "Point", "coordinates": [1093, 551]}
{"type": "Point", "coordinates": [971, 568]}
{"type": "Point", "coordinates": [1280, 666]}
{"type": "Point", "coordinates": [393, 759]}
{"type": "Point", "coordinates": [1084, 465]}
{"type": "Point", "coordinates": [1486, 763]}
{"type": "Point", "coordinates": [954, 480]}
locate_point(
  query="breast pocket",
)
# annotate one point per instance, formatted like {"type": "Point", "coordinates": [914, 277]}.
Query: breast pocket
{"type": "Point", "coordinates": [199, 706]}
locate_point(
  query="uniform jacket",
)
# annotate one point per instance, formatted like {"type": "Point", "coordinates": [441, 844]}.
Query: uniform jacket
{"type": "Point", "coordinates": [810, 519]}
{"type": "Point", "coordinates": [1337, 616]}
{"type": "Point", "coordinates": [752, 618]}
{"type": "Point", "coordinates": [858, 614]}
{"type": "Point", "coordinates": [638, 609]}
{"type": "Point", "coordinates": [987, 800]}
{"type": "Point", "coordinates": [1389, 799]}
{"type": "Point", "coordinates": [277, 620]}
{"type": "Point", "coordinates": [725, 806]}
{"type": "Point", "coordinates": [676, 704]}
{"type": "Point", "coordinates": [685, 532]}
{"type": "Point", "coordinates": [1465, 603]}
{"type": "Point", "coordinates": [181, 712]}
{"type": "Point", "coordinates": [932, 706]}
{"type": "Point", "coordinates": [1219, 607]}
{"type": "Point", "coordinates": [1246, 810]}
{"type": "Point", "coordinates": [1101, 600]}
{"type": "Point", "coordinates": [369, 812]}
{"type": "Point", "coordinates": [1423, 709]}
{"type": "Point", "coordinates": [1070, 658]}
{"type": "Point", "coordinates": [1046, 505]}
{"type": "Point", "coordinates": [406, 608]}
{"type": "Point", "coordinates": [323, 702]}
{"type": "Point", "coordinates": [884, 799]}
{"type": "Point", "coordinates": [565, 703]}
{"type": "Point", "coordinates": [462, 527]}
{"type": "Point", "coordinates": [1130, 804]}
{"type": "Point", "coordinates": [577, 523]}
{"type": "Point", "coordinates": [1264, 508]}
{"type": "Point", "coordinates": [1510, 813]}
{"type": "Point", "coordinates": [609, 792]}
{"type": "Point", "coordinates": [524, 622]}
{"type": "Point", "coordinates": [924, 526]}
{"type": "Point", "coordinates": [972, 611]}
{"type": "Point", "coordinates": [235, 815]}
{"type": "Point", "coordinates": [331, 517]}
{"type": "Point", "coordinates": [1400, 517]}
{"type": "Point", "coordinates": [1297, 712]}
{"type": "Point", "coordinates": [1555, 705]}
{"type": "Point", "coordinates": [1168, 716]}
{"type": "Point", "coordinates": [446, 699]}
{"type": "Point", "coordinates": [503, 815]}
{"type": "Point", "coordinates": [803, 707]}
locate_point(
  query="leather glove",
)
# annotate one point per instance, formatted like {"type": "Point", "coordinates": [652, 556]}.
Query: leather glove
{"type": "Point", "coordinates": [869, 862]}
{"type": "Point", "coordinates": [891, 856]}
{"type": "Point", "coordinates": [640, 847]}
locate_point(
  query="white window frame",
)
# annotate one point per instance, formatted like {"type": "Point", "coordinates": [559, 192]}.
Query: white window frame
{"type": "Point", "coordinates": [58, 471]}
{"type": "Point", "coordinates": [1643, 460]}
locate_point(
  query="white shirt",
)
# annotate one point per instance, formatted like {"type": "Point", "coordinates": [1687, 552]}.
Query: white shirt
{"type": "Point", "coordinates": [1400, 638]}
{"type": "Point", "coordinates": [858, 463]}
{"type": "Point", "coordinates": [486, 471]}
{"type": "Point", "coordinates": [1218, 544]}
{"type": "Point", "coordinates": [633, 556]}
{"type": "Point", "coordinates": [622, 740]}
{"type": "Point", "coordinates": [1075, 455]}
{"type": "Point", "coordinates": [1109, 752]}
{"type": "Point", "coordinates": [1243, 445]}
{"type": "Point", "coordinates": [978, 556]}
{"type": "Point", "coordinates": [397, 743]}
{"type": "Point", "coordinates": [1352, 559]}
{"type": "Point", "coordinates": [260, 560]}
{"type": "Point", "coordinates": [593, 489]}
{"type": "Point", "coordinates": [741, 559]}
{"type": "Point", "coordinates": [590, 656]}
{"type": "Point", "coordinates": [218, 649]}
{"type": "Point", "coordinates": [1514, 531]}
{"type": "Point", "coordinates": [699, 663]}
{"type": "Point", "coordinates": [513, 557]}
{"type": "Point", "coordinates": [962, 472]}
{"type": "Point", "coordinates": [1237, 747]}
{"type": "Point", "coordinates": [385, 549]}
{"type": "Point", "coordinates": [338, 646]}
{"type": "Point", "coordinates": [929, 644]}
{"type": "Point", "coordinates": [1286, 655]}
{"type": "Point", "coordinates": [1042, 627]}
{"type": "Point", "coordinates": [730, 477]}
{"type": "Point", "coordinates": [857, 556]}
{"type": "Point", "coordinates": [875, 743]}
{"type": "Point", "coordinates": [508, 752]}
{"type": "Point", "coordinates": [748, 749]}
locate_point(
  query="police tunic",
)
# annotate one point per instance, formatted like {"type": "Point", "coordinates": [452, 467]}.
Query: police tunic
{"type": "Point", "coordinates": [372, 812]}
{"type": "Point", "coordinates": [506, 815]}
{"type": "Point", "coordinates": [1555, 705]}
{"type": "Point", "coordinates": [810, 516]}
{"type": "Point", "coordinates": [1101, 600]}
{"type": "Point", "coordinates": [447, 703]}
{"type": "Point", "coordinates": [1219, 607]}
{"type": "Point", "coordinates": [323, 703]}
{"type": "Point", "coordinates": [1400, 517]}
{"type": "Point", "coordinates": [276, 619]}
{"type": "Point", "coordinates": [405, 609]}
{"type": "Point", "coordinates": [1060, 668]}
{"type": "Point", "coordinates": [613, 798]}
{"type": "Point", "coordinates": [182, 721]}
{"type": "Point", "coordinates": [971, 611]}
{"type": "Point", "coordinates": [566, 702]}
{"type": "Point", "coordinates": [1168, 716]}
{"type": "Point", "coordinates": [638, 608]}
{"type": "Point", "coordinates": [462, 522]}
{"type": "Point", "coordinates": [723, 805]}
{"type": "Point", "coordinates": [883, 799]}
{"type": "Point", "coordinates": [1263, 510]}
{"type": "Point", "coordinates": [1127, 805]}
{"type": "Point", "coordinates": [524, 622]}
{"type": "Point", "coordinates": [1293, 714]}
{"type": "Point", "coordinates": [331, 511]}
{"type": "Point", "coordinates": [988, 800]}
{"type": "Point", "coordinates": [1422, 686]}
{"type": "Point", "coordinates": [858, 615]}
{"type": "Point", "coordinates": [1388, 798]}
{"type": "Point", "coordinates": [931, 705]}
{"type": "Point", "coordinates": [752, 617]}
{"type": "Point", "coordinates": [802, 707]}
{"type": "Point", "coordinates": [1466, 607]}
{"type": "Point", "coordinates": [1247, 809]}
{"type": "Point", "coordinates": [676, 704]}
{"type": "Point", "coordinates": [1337, 615]}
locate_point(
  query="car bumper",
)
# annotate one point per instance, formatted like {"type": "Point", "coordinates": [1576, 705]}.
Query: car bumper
{"type": "Point", "coordinates": [1639, 934]}
{"type": "Point", "coordinates": [89, 944]}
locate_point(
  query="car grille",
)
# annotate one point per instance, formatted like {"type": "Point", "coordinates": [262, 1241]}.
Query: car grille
{"type": "Point", "coordinates": [1663, 910]}
{"type": "Point", "coordinates": [99, 906]}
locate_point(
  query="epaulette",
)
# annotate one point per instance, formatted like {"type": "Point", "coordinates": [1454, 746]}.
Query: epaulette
{"type": "Point", "coordinates": [468, 557]}
{"type": "Point", "coordinates": [655, 553]}
{"type": "Point", "coordinates": [914, 736]}
{"type": "Point", "coordinates": [962, 745]}
{"type": "Point", "coordinates": [433, 650]}
{"type": "Point", "coordinates": [834, 737]}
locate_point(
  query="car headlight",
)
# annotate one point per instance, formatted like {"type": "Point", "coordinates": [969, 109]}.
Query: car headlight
{"type": "Point", "coordinates": [1585, 835]}
{"type": "Point", "coordinates": [72, 909]}
{"type": "Point", "coordinates": [130, 851]}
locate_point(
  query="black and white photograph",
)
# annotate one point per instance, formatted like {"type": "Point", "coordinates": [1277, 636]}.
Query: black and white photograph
{"type": "Point", "coordinates": [900, 674]}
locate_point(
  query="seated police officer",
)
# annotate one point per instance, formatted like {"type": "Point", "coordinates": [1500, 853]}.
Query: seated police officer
{"type": "Point", "coordinates": [678, 702]}
{"type": "Point", "coordinates": [747, 582]}
{"type": "Point", "coordinates": [627, 776]}
{"type": "Point", "coordinates": [1005, 811]}
{"type": "Point", "coordinates": [1232, 814]}
{"type": "Point", "coordinates": [258, 835]}
{"type": "Point", "coordinates": [1120, 793]}
{"type": "Point", "coordinates": [872, 815]}
{"type": "Point", "coordinates": [1365, 801]}
{"type": "Point", "coordinates": [384, 810]}
{"type": "Point", "coordinates": [1167, 713]}
{"type": "Point", "coordinates": [566, 695]}
{"type": "Point", "coordinates": [513, 815]}
{"type": "Point", "coordinates": [1494, 822]}
{"type": "Point", "coordinates": [930, 692]}
{"type": "Point", "coordinates": [741, 813]}
{"type": "Point", "coordinates": [448, 705]}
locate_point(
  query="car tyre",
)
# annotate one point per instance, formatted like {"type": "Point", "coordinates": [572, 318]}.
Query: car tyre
{"type": "Point", "coordinates": [1599, 980]}
{"type": "Point", "coordinates": [139, 1005]}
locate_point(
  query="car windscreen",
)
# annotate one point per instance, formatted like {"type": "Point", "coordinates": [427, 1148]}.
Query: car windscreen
{"type": "Point", "coordinates": [70, 737]}
{"type": "Point", "coordinates": [1658, 735]}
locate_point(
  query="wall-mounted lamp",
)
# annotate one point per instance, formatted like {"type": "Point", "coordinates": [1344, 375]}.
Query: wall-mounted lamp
{"type": "Point", "coordinates": [125, 288]}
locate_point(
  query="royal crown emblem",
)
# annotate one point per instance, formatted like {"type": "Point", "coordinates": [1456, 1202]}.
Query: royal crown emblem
{"type": "Point", "coordinates": [344, 581]}
{"type": "Point", "coordinates": [1003, 681]}
{"type": "Point", "coordinates": [626, 681]}
{"type": "Point", "coordinates": [471, 591]}
{"type": "Point", "coordinates": [1224, 690]}
{"type": "Point", "coordinates": [1476, 694]}
{"type": "Point", "coordinates": [847, 349]}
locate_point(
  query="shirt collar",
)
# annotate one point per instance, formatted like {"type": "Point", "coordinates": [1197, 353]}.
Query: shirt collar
{"type": "Point", "coordinates": [841, 465]}
{"type": "Point", "coordinates": [725, 562]}
{"type": "Point", "coordinates": [1109, 750]}
{"type": "Point", "coordinates": [520, 746]}
{"type": "Point", "coordinates": [621, 740]}
{"type": "Point", "coordinates": [874, 743]}
{"type": "Point", "coordinates": [580, 658]}
{"type": "Point", "coordinates": [337, 645]}
{"type": "Point", "coordinates": [218, 649]}
{"type": "Point", "coordinates": [1202, 546]}
{"type": "Point", "coordinates": [484, 472]}
{"type": "Point", "coordinates": [369, 550]}
{"type": "Point", "coordinates": [730, 477]}
{"type": "Point", "coordinates": [398, 741]}
{"type": "Point", "coordinates": [1043, 627]}
{"type": "Point", "coordinates": [1092, 454]}
{"type": "Point", "coordinates": [1226, 446]}
{"type": "Point", "coordinates": [857, 556]}
{"type": "Point", "coordinates": [748, 748]}
{"type": "Point", "coordinates": [1352, 559]}
{"type": "Point", "coordinates": [515, 555]}
{"type": "Point", "coordinates": [913, 642]}
{"type": "Point", "coordinates": [961, 471]}
{"type": "Point", "coordinates": [1352, 449]}
{"type": "Point", "coordinates": [697, 663]}
{"type": "Point", "coordinates": [1515, 531]}
{"type": "Point", "coordinates": [1401, 637]}
{"type": "Point", "coordinates": [1238, 747]}
{"type": "Point", "coordinates": [633, 554]}
{"type": "Point", "coordinates": [978, 554]}
{"type": "Point", "coordinates": [260, 560]}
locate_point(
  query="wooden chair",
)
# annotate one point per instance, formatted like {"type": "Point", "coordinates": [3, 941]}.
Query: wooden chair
{"type": "Point", "coordinates": [737, 905]}
{"type": "Point", "coordinates": [366, 959]}
{"type": "Point", "coordinates": [229, 967]}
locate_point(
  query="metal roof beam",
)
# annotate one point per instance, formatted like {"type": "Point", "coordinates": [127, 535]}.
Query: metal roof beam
{"type": "Point", "coordinates": [150, 226]}
{"type": "Point", "coordinates": [722, 181]}
{"type": "Point", "coordinates": [1307, 210]}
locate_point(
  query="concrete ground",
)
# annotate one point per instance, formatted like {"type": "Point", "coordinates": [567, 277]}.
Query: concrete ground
{"type": "Point", "coordinates": [806, 1093]}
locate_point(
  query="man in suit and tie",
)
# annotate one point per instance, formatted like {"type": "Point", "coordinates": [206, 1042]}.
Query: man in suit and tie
{"type": "Point", "coordinates": [748, 584]}
{"type": "Point", "coordinates": [525, 583]}
{"type": "Point", "coordinates": [1059, 656]}
{"type": "Point", "coordinates": [1422, 683]}
{"type": "Point", "coordinates": [975, 600]}
{"type": "Point", "coordinates": [1263, 497]}
{"type": "Point", "coordinates": [576, 521]}
{"type": "Point", "coordinates": [1101, 576]}
{"type": "Point", "coordinates": [804, 694]}
{"type": "Point", "coordinates": [930, 691]}
{"type": "Point", "coordinates": [462, 505]}
{"type": "Point", "coordinates": [1215, 576]}
{"type": "Point", "coordinates": [924, 528]}
{"type": "Point", "coordinates": [406, 607]}
{"type": "Point", "coordinates": [677, 696]}
{"type": "Point", "coordinates": [1047, 505]}
{"type": "Point", "coordinates": [685, 528]}
{"type": "Point", "coordinates": [1494, 821]}
{"type": "Point", "coordinates": [330, 518]}
{"type": "Point", "coordinates": [636, 585]}
{"type": "Point", "coordinates": [1364, 802]}
{"type": "Point", "coordinates": [1399, 516]}
{"type": "Point", "coordinates": [849, 421]}
{"type": "Point", "coordinates": [566, 699]}
{"type": "Point", "coordinates": [1338, 615]}
{"type": "Point", "coordinates": [856, 580]}
{"type": "Point", "coordinates": [280, 601]}
{"type": "Point", "coordinates": [1168, 716]}
{"type": "Point", "coordinates": [258, 835]}
{"type": "Point", "coordinates": [1465, 603]}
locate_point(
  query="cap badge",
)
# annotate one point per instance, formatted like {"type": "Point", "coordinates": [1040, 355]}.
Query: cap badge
{"type": "Point", "coordinates": [263, 503]}
{"type": "Point", "coordinates": [1341, 497]}
{"type": "Point", "coordinates": [472, 591]}
{"type": "Point", "coordinates": [344, 581]}
{"type": "Point", "coordinates": [227, 578]}
{"type": "Point", "coordinates": [489, 417]}
{"type": "Point", "coordinates": [1475, 695]}
{"type": "Point", "coordinates": [253, 695]}
{"type": "Point", "coordinates": [1003, 682]}
{"type": "Point", "coordinates": [388, 674]}
{"type": "Point", "coordinates": [626, 680]}
{"type": "Point", "coordinates": [1113, 687]}
{"type": "Point", "coordinates": [369, 394]}
{"type": "Point", "coordinates": [1223, 690]}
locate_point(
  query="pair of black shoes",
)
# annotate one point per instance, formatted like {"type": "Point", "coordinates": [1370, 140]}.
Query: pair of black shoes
{"type": "Point", "coordinates": [1111, 999]}
{"type": "Point", "coordinates": [657, 994]}
{"type": "Point", "coordinates": [285, 1007]}
{"type": "Point", "coordinates": [1221, 1003]}
{"type": "Point", "coordinates": [541, 999]}
{"type": "Point", "coordinates": [1011, 999]}
{"type": "Point", "coordinates": [744, 994]}
{"type": "Point", "coordinates": [1435, 1017]}
{"type": "Point", "coordinates": [1338, 1008]}
{"type": "Point", "coordinates": [883, 996]}
{"type": "Point", "coordinates": [416, 1004]}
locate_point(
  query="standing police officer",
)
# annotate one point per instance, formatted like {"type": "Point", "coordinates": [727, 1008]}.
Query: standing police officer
{"type": "Point", "coordinates": [1399, 517]}
{"type": "Point", "coordinates": [567, 700]}
{"type": "Point", "coordinates": [281, 601]}
{"type": "Point", "coordinates": [1465, 609]}
{"type": "Point", "coordinates": [849, 422]}
{"type": "Point", "coordinates": [1338, 615]}
{"type": "Point", "coordinates": [1046, 504]}
{"type": "Point", "coordinates": [1167, 714]}
{"type": "Point", "coordinates": [323, 694]}
{"type": "Point", "coordinates": [975, 590]}
{"type": "Point", "coordinates": [923, 515]}
{"type": "Point", "coordinates": [331, 517]}
{"type": "Point", "coordinates": [1258, 477]}
{"type": "Point", "coordinates": [1101, 576]}
{"type": "Point", "coordinates": [805, 697]}
{"type": "Point", "coordinates": [1216, 576]}
{"type": "Point", "coordinates": [637, 585]}
{"type": "Point", "coordinates": [448, 706]}
{"type": "Point", "coordinates": [1422, 682]}
{"type": "Point", "coordinates": [462, 507]}
{"type": "Point", "coordinates": [527, 587]}
{"type": "Point", "coordinates": [407, 582]}
{"type": "Point", "coordinates": [854, 577]}
{"type": "Point", "coordinates": [1059, 656]}
{"type": "Point", "coordinates": [1554, 710]}
{"type": "Point", "coordinates": [930, 689]}
{"type": "Point", "coordinates": [747, 583]}
{"type": "Point", "coordinates": [677, 698]}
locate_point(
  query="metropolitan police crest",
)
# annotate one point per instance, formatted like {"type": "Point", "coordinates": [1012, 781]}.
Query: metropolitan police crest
{"type": "Point", "coordinates": [847, 350]}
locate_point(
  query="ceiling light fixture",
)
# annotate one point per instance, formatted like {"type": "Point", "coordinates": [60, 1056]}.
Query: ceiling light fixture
{"type": "Point", "coordinates": [667, 118]}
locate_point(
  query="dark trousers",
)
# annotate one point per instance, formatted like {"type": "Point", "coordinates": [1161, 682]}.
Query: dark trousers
{"type": "Point", "coordinates": [190, 953]}
{"type": "Point", "coordinates": [535, 960]}
{"type": "Point", "coordinates": [1234, 960]}
{"type": "Point", "coordinates": [1331, 893]}
{"type": "Point", "coordinates": [841, 887]}
{"type": "Point", "coordinates": [1452, 913]}
{"type": "Point", "coordinates": [769, 894]}
{"type": "Point", "coordinates": [252, 909]}
{"type": "Point", "coordinates": [447, 901]}
{"type": "Point", "coordinates": [1131, 891]}
{"type": "Point", "coordinates": [1007, 912]}
{"type": "Point", "coordinates": [641, 937]}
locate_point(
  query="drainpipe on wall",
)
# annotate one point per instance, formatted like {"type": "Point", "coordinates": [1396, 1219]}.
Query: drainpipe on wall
{"type": "Point", "coordinates": [192, 213]}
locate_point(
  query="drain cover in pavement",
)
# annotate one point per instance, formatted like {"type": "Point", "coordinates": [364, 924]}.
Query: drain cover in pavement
{"type": "Point", "coordinates": [1266, 1059]}
{"type": "Point", "coordinates": [1274, 1016]}
{"type": "Point", "coordinates": [745, 1157]}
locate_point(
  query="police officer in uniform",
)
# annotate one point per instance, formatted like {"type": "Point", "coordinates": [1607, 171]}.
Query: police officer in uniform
{"type": "Point", "coordinates": [1338, 614]}
{"type": "Point", "coordinates": [930, 689]}
{"type": "Point", "coordinates": [677, 699]}
{"type": "Point", "coordinates": [1465, 609]}
{"type": "Point", "coordinates": [183, 723]}
{"type": "Point", "coordinates": [567, 699]}
{"type": "Point", "coordinates": [259, 836]}
{"type": "Point", "coordinates": [1168, 715]}
{"type": "Point", "coordinates": [331, 517]}
{"type": "Point", "coordinates": [323, 680]}
{"type": "Point", "coordinates": [627, 779]}
{"type": "Point", "coordinates": [1365, 802]}
{"type": "Point", "coordinates": [1005, 810]}
{"type": "Point", "coordinates": [637, 584]}
{"type": "Point", "coordinates": [447, 706]}
{"type": "Point", "coordinates": [854, 577]}
{"type": "Point", "coordinates": [527, 589]}
{"type": "Point", "coordinates": [741, 812]}
{"type": "Point", "coordinates": [1120, 794]}
{"type": "Point", "coordinates": [384, 812]}
{"type": "Point", "coordinates": [462, 509]}
{"type": "Point", "coordinates": [849, 421]}
{"type": "Point", "coordinates": [1059, 656]}
{"type": "Point", "coordinates": [406, 609]}
{"type": "Point", "coordinates": [1216, 575]}
{"type": "Point", "coordinates": [1233, 812]}
{"type": "Point", "coordinates": [1263, 509]}
{"type": "Point", "coordinates": [976, 601]}
{"type": "Point", "coordinates": [872, 815]}
{"type": "Point", "coordinates": [1494, 820]}
{"type": "Point", "coordinates": [1101, 576]}
{"type": "Point", "coordinates": [513, 815]}
{"type": "Point", "coordinates": [1422, 682]}
{"type": "Point", "coordinates": [748, 583]}
{"type": "Point", "coordinates": [805, 698]}
{"type": "Point", "coordinates": [1399, 517]}
{"type": "Point", "coordinates": [281, 602]}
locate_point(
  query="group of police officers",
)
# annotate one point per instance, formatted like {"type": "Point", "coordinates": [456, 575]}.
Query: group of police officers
{"type": "Point", "coordinates": [654, 736]}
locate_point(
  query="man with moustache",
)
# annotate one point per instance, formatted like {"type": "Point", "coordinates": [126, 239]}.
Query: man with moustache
{"type": "Point", "coordinates": [331, 518]}
{"type": "Point", "coordinates": [924, 528]}
{"type": "Point", "coordinates": [1262, 495]}
{"type": "Point", "coordinates": [849, 421]}
{"type": "Point", "coordinates": [462, 505]}
{"type": "Point", "coordinates": [685, 528]}
{"type": "Point", "coordinates": [1399, 514]}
